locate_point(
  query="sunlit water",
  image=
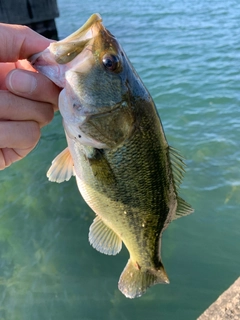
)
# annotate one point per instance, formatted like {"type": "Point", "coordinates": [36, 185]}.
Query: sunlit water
{"type": "Point", "coordinates": [188, 55]}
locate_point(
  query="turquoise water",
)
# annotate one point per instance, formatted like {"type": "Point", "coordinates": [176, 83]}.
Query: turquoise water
{"type": "Point", "coordinates": [188, 55]}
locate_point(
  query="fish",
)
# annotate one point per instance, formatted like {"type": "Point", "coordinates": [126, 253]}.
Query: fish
{"type": "Point", "coordinates": [116, 149]}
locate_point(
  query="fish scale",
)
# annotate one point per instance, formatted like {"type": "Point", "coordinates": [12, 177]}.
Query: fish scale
{"type": "Point", "coordinates": [140, 155]}
{"type": "Point", "coordinates": [117, 150]}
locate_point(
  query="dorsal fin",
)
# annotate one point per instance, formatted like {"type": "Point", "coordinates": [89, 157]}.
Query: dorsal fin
{"type": "Point", "coordinates": [178, 166]}
{"type": "Point", "coordinates": [104, 239]}
{"type": "Point", "coordinates": [183, 208]}
{"type": "Point", "coordinates": [62, 167]}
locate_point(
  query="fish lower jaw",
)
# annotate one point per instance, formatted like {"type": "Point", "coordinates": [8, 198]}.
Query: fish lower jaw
{"type": "Point", "coordinates": [45, 63]}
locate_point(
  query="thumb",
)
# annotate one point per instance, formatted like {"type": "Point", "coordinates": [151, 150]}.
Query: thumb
{"type": "Point", "coordinates": [21, 82]}
{"type": "Point", "coordinates": [33, 86]}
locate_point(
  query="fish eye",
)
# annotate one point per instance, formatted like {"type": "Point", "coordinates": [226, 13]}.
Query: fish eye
{"type": "Point", "coordinates": [110, 62]}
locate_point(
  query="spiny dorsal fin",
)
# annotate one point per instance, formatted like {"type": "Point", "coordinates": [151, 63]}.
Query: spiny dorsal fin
{"type": "Point", "coordinates": [62, 167]}
{"type": "Point", "coordinates": [178, 166]}
{"type": "Point", "coordinates": [183, 208]}
{"type": "Point", "coordinates": [104, 239]}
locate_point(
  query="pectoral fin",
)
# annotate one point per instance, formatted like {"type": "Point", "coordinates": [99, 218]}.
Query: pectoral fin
{"type": "Point", "coordinates": [104, 239]}
{"type": "Point", "coordinates": [62, 167]}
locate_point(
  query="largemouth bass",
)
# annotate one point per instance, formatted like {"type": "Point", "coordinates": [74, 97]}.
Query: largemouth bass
{"type": "Point", "coordinates": [117, 149]}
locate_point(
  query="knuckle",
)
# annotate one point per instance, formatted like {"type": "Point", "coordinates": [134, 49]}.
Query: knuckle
{"type": "Point", "coordinates": [23, 28]}
{"type": "Point", "coordinates": [2, 160]}
{"type": "Point", "coordinates": [47, 116]}
{"type": "Point", "coordinates": [33, 134]}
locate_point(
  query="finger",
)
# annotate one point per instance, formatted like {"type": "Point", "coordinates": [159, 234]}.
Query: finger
{"type": "Point", "coordinates": [5, 68]}
{"type": "Point", "coordinates": [19, 42]}
{"type": "Point", "coordinates": [24, 64]}
{"type": "Point", "coordinates": [17, 108]}
{"type": "Point", "coordinates": [19, 134]}
{"type": "Point", "coordinates": [32, 85]}
{"type": "Point", "coordinates": [8, 156]}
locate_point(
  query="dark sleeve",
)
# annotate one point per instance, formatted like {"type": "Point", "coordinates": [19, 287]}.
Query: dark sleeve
{"type": "Point", "coordinates": [27, 11]}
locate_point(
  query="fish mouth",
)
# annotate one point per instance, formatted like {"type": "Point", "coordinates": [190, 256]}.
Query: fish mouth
{"type": "Point", "coordinates": [67, 49]}
{"type": "Point", "coordinates": [55, 60]}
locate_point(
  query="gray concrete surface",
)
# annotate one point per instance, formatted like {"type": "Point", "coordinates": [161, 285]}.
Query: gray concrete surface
{"type": "Point", "coordinates": [226, 307]}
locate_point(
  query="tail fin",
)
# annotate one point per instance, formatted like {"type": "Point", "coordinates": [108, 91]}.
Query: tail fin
{"type": "Point", "coordinates": [134, 281]}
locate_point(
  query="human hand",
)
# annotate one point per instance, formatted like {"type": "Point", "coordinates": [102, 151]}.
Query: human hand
{"type": "Point", "coordinates": [27, 98]}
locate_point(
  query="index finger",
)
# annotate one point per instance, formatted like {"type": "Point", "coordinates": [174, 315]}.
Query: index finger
{"type": "Point", "coordinates": [19, 42]}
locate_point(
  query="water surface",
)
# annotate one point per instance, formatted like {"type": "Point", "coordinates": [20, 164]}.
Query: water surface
{"type": "Point", "coordinates": [187, 53]}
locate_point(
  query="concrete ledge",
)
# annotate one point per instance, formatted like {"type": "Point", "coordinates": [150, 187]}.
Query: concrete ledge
{"type": "Point", "coordinates": [226, 307]}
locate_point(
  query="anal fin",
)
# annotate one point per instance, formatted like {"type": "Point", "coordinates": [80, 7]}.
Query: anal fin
{"type": "Point", "coordinates": [104, 239]}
